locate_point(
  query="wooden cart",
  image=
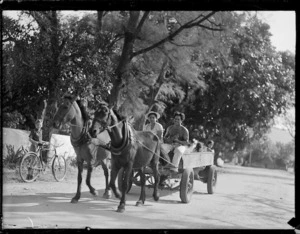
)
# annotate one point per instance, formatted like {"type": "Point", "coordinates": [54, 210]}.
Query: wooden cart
{"type": "Point", "coordinates": [193, 166]}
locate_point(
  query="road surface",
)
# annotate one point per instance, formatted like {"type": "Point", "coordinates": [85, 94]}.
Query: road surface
{"type": "Point", "coordinates": [246, 198]}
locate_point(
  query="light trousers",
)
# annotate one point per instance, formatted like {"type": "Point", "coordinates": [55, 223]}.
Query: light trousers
{"type": "Point", "coordinates": [178, 152]}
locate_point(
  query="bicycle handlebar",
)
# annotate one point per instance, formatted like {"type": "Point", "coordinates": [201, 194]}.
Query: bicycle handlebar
{"type": "Point", "coordinates": [46, 143]}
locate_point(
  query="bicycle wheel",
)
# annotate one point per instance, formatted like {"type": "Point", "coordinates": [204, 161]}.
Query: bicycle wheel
{"type": "Point", "coordinates": [30, 167]}
{"type": "Point", "coordinates": [59, 167]}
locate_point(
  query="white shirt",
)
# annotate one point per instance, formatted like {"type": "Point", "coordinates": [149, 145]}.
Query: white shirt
{"type": "Point", "coordinates": [157, 127]}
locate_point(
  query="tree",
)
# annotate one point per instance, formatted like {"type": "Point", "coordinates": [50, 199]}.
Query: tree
{"type": "Point", "coordinates": [246, 87]}
{"type": "Point", "coordinates": [32, 74]}
{"type": "Point", "coordinates": [136, 27]}
{"type": "Point", "coordinates": [225, 77]}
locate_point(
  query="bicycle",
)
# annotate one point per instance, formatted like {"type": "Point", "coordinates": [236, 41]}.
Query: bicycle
{"type": "Point", "coordinates": [32, 164]}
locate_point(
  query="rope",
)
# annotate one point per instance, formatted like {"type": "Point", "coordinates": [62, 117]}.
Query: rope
{"type": "Point", "coordinates": [110, 127]}
{"type": "Point", "coordinates": [155, 153]}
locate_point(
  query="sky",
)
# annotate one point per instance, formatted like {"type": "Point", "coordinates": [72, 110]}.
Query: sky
{"type": "Point", "coordinates": [283, 27]}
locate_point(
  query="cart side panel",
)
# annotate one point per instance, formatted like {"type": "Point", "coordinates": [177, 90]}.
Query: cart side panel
{"type": "Point", "coordinates": [197, 159]}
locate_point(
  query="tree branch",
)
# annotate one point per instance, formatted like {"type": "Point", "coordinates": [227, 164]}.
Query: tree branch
{"type": "Point", "coordinates": [185, 45]}
{"type": "Point", "coordinates": [187, 25]}
{"type": "Point", "coordinates": [210, 28]}
{"type": "Point", "coordinates": [9, 38]}
{"type": "Point", "coordinates": [62, 45]}
{"type": "Point", "coordinates": [141, 23]}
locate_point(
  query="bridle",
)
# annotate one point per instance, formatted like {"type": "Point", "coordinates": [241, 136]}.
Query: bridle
{"type": "Point", "coordinates": [105, 123]}
{"type": "Point", "coordinates": [67, 112]}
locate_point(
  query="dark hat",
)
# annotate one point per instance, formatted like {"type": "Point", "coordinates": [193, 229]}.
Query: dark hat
{"type": "Point", "coordinates": [153, 113]}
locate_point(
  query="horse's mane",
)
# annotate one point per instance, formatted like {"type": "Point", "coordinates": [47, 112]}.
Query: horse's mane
{"type": "Point", "coordinates": [119, 116]}
{"type": "Point", "coordinates": [84, 113]}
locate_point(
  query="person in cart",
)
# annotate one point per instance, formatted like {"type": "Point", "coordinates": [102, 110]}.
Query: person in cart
{"type": "Point", "coordinates": [153, 125]}
{"type": "Point", "coordinates": [177, 140]}
{"type": "Point", "coordinates": [210, 145]}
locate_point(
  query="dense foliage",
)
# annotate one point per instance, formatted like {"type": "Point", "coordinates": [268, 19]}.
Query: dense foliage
{"type": "Point", "coordinates": [218, 67]}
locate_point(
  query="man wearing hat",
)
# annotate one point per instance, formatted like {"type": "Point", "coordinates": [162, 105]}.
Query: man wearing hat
{"type": "Point", "coordinates": [154, 126]}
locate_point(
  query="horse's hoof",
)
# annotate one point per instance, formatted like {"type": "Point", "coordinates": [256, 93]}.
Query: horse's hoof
{"type": "Point", "coordinates": [139, 203]}
{"type": "Point", "coordinates": [120, 209]}
{"type": "Point", "coordinates": [94, 193]}
{"type": "Point", "coordinates": [156, 197]}
{"type": "Point", "coordinates": [74, 200]}
{"type": "Point", "coordinates": [107, 195]}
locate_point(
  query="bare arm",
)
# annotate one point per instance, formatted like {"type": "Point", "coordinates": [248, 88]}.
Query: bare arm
{"type": "Point", "coordinates": [159, 134]}
{"type": "Point", "coordinates": [185, 140]}
{"type": "Point", "coordinates": [160, 131]}
{"type": "Point", "coordinates": [167, 137]}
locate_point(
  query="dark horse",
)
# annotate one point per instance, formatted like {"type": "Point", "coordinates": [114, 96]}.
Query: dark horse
{"type": "Point", "coordinates": [72, 112]}
{"type": "Point", "coordinates": [130, 150]}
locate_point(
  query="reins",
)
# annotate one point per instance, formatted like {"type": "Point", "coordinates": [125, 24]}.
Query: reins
{"type": "Point", "coordinates": [154, 153]}
{"type": "Point", "coordinates": [108, 128]}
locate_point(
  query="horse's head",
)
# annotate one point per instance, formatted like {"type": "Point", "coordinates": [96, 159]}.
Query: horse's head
{"type": "Point", "coordinates": [65, 112]}
{"type": "Point", "coordinates": [102, 119]}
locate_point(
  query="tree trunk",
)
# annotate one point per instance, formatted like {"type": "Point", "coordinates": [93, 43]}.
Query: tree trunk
{"type": "Point", "coordinates": [121, 73]}
{"type": "Point", "coordinates": [153, 97]}
{"type": "Point", "coordinates": [54, 79]}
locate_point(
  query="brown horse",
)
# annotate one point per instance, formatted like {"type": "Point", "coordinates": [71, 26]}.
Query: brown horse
{"type": "Point", "coordinates": [72, 112]}
{"type": "Point", "coordinates": [130, 150]}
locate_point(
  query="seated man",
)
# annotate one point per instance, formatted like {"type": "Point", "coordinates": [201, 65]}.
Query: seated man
{"type": "Point", "coordinates": [176, 138]}
{"type": "Point", "coordinates": [153, 125]}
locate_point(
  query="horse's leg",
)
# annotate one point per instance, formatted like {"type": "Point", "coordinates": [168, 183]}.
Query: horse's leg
{"type": "Point", "coordinates": [112, 183]}
{"type": "Point", "coordinates": [126, 178]}
{"type": "Point", "coordinates": [79, 180]}
{"type": "Point", "coordinates": [142, 195]}
{"type": "Point", "coordinates": [88, 179]}
{"type": "Point", "coordinates": [156, 175]}
{"type": "Point", "coordinates": [107, 193]}
{"type": "Point", "coordinates": [154, 166]}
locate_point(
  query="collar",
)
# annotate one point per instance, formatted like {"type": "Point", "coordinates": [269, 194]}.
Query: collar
{"type": "Point", "coordinates": [128, 139]}
{"type": "Point", "coordinates": [83, 138]}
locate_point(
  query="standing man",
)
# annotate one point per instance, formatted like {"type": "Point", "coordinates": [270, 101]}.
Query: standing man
{"type": "Point", "coordinates": [35, 137]}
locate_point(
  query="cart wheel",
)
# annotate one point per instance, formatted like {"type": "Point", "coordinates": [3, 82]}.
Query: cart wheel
{"type": "Point", "coordinates": [136, 179]}
{"type": "Point", "coordinates": [149, 179]}
{"type": "Point", "coordinates": [120, 180]}
{"type": "Point", "coordinates": [30, 167]}
{"type": "Point", "coordinates": [59, 168]}
{"type": "Point", "coordinates": [186, 185]}
{"type": "Point", "coordinates": [211, 179]}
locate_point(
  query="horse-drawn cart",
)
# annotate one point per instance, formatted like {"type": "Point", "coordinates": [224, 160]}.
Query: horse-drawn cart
{"type": "Point", "coordinates": [193, 166]}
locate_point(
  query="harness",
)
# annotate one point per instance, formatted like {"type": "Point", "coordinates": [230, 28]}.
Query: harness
{"type": "Point", "coordinates": [83, 138]}
{"type": "Point", "coordinates": [128, 140]}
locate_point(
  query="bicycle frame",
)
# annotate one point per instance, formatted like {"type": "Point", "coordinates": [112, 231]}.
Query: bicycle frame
{"type": "Point", "coordinates": [58, 164]}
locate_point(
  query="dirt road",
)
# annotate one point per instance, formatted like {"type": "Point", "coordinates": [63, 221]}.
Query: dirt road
{"type": "Point", "coordinates": [246, 198]}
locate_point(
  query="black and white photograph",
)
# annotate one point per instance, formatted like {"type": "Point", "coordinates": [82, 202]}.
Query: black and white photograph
{"type": "Point", "coordinates": [148, 119]}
